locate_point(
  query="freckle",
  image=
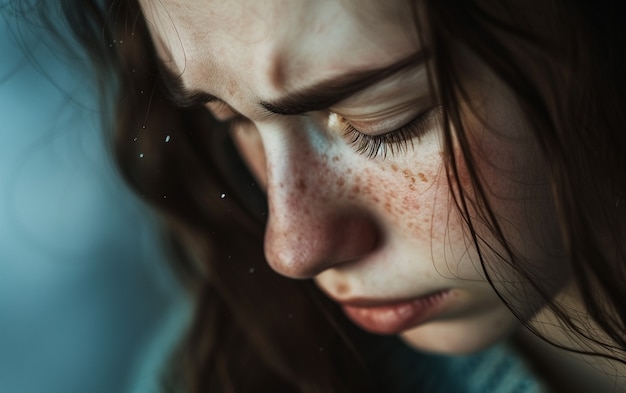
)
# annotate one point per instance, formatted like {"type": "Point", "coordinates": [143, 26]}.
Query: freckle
{"type": "Point", "coordinates": [349, 170]}
{"type": "Point", "coordinates": [340, 182]}
{"type": "Point", "coordinates": [336, 158]}
{"type": "Point", "coordinates": [394, 167]}
{"type": "Point", "coordinates": [412, 179]}
{"type": "Point", "coordinates": [356, 189]}
{"type": "Point", "coordinates": [232, 88]}
{"type": "Point", "coordinates": [388, 207]}
{"type": "Point", "coordinates": [423, 177]}
{"type": "Point", "coordinates": [375, 199]}
{"type": "Point", "coordinates": [342, 289]}
{"type": "Point", "coordinates": [301, 185]}
{"type": "Point", "coordinates": [412, 187]}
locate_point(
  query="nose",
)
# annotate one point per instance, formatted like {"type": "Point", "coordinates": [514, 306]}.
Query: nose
{"type": "Point", "coordinates": [314, 223]}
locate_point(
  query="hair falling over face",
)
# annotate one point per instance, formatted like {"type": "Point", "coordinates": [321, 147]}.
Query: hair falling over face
{"type": "Point", "coordinates": [561, 61]}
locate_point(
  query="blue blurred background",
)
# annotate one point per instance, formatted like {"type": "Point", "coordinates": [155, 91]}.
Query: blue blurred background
{"type": "Point", "coordinates": [87, 303]}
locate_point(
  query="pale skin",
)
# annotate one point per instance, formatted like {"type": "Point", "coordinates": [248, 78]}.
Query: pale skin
{"type": "Point", "coordinates": [374, 226]}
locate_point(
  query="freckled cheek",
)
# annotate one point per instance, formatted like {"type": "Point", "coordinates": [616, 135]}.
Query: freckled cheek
{"type": "Point", "coordinates": [412, 198]}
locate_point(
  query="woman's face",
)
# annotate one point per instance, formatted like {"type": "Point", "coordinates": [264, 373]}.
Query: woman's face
{"type": "Point", "coordinates": [339, 127]}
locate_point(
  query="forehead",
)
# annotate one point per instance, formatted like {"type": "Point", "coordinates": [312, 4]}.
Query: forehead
{"type": "Point", "coordinates": [247, 46]}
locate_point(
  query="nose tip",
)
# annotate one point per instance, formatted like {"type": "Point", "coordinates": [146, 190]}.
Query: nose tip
{"type": "Point", "coordinates": [304, 247]}
{"type": "Point", "coordinates": [313, 223]}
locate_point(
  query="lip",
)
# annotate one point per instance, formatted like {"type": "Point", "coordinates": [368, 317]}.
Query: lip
{"type": "Point", "coordinates": [396, 316]}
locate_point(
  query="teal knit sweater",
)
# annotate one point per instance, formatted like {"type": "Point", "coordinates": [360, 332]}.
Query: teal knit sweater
{"type": "Point", "coordinates": [499, 369]}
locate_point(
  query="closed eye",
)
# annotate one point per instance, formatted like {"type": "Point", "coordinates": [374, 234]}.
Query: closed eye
{"type": "Point", "coordinates": [395, 141]}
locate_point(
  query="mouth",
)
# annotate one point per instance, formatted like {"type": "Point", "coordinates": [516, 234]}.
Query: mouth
{"type": "Point", "coordinates": [395, 317]}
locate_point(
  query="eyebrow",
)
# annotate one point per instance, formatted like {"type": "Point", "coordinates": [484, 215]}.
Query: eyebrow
{"type": "Point", "coordinates": [179, 94]}
{"type": "Point", "coordinates": [318, 96]}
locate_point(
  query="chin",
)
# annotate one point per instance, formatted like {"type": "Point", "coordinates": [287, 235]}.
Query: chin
{"type": "Point", "coordinates": [460, 337]}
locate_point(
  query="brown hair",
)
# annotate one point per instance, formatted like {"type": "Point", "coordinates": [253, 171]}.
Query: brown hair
{"type": "Point", "coordinates": [562, 59]}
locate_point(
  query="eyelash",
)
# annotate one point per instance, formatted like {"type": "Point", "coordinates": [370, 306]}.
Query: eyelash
{"type": "Point", "coordinates": [393, 142]}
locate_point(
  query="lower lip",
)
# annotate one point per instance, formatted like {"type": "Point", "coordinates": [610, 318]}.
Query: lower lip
{"type": "Point", "coordinates": [398, 317]}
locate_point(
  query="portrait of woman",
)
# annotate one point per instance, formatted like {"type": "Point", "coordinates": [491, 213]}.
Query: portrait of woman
{"type": "Point", "coordinates": [378, 196]}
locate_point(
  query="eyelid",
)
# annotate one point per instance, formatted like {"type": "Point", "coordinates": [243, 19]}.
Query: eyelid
{"type": "Point", "coordinates": [386, 116]}
{"type": "Point", "coordinates": [382, 126]}
{"type": "Point", "coordinates": [394, 141]}
{"type": "Point", "coordinates": [385, 120]}
{"type": "Point", "coordinates": [409, 87]}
